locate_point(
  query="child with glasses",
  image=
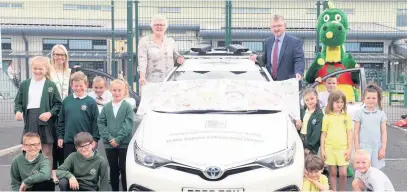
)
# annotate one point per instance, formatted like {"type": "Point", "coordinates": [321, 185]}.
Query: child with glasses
{"type": "Point", "coordinates": [31, 170]}
{"type": "Point", "coordinates": [84, 169]}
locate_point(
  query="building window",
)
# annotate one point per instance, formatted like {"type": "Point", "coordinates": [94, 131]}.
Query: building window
{"type": "Point", "coordinates": [6, 43]}
{"type": "Point", "coordinates": [77, 44]}
{"type": "Point", "coordinates": [49, 43]}
{"type": "Point", "coordinates": [352, 47]}
{"type": "Point", "coordinates": [80, 45]}
{"type": "Point", "coordinates": [169, 9]}
{"type": "Point", "coordinates": [87, 7]}
{"type": "Point", "coordinates": [254, 45]}
{"type": "Point", "coordinates": [11, 5]}
{"type": "Point", "coordinates": [401, 17]}
{"type": "Point", "coordinates": [99, 45]}
{"type": "Point", "coordinates": [372, 47]}
{"type": "Point", "coordinates": [365, 47]}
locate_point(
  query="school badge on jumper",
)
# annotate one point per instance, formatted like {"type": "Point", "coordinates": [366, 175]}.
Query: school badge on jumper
{"type": "Point", "coordinates": [314, 121]}
{"type": "Point", "coordinates": [83, 107]}
{"type": "Point", "coordinates": [35, 172]}
{"type": "Point", "coordinates": [50, 89]}
{"type": "Point", "coordinates": [93, 171]}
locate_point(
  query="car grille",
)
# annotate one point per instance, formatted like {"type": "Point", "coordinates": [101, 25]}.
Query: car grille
{"type": "Point", "coordinates": [225, 174]}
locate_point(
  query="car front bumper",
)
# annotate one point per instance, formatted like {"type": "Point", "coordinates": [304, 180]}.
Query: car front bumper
{"type": "Point", "coordinates": [140, 178]}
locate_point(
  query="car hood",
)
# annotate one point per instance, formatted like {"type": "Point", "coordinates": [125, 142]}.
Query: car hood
{"type": "Point", "coordinates": [208, 139]}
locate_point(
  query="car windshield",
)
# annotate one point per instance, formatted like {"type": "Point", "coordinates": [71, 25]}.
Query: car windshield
{"type": "Point", "coordinates": [233, 75]}
{"type": "Point", "coordinates": [221, 95]}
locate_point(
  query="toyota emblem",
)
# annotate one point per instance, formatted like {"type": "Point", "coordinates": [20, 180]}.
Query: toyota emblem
{"type": "Point", "coordinates": [213, 172]}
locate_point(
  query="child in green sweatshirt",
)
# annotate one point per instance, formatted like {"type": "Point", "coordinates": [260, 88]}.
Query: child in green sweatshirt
{"type": "Point", "coordinates": [31, 170]}
{"type": "Point", "coordinates": [79, 113]}
{"type": "Point", "coordinates": [82, 170]}
{"type": "Point", "coordinates": [116, 125]}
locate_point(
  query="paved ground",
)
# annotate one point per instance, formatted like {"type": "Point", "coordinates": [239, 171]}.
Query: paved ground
{"type": "Point", "coordinates": [10, 133]}
{"type": "Point", "coordinates": [396, 156]}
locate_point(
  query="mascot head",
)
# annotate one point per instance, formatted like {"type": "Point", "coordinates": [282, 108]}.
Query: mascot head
{"type": "Point", "coordinates": [332, 26]}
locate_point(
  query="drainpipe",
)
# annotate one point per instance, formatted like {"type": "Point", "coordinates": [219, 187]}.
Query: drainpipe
{"type": "Point", "coordinates": [137, 43]}
{"type": "Point", "coordinates": [27, 66]}
{"type": "Point", "coordinates": [228, 24]}
{"type": "Point", "coordinates": [130, 55]}
{"type": "Point", "coordinates": [114, 66]}
{"type": "Point", "coordinates": [388, 78]}
{"type": "Point", "coordinates": [317, 30]}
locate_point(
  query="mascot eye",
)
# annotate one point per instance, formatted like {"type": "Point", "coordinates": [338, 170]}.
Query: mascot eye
{"type": "Point", "coordinates": [338, 17]}
{"type": "Point", "coordinates": [326, 18]}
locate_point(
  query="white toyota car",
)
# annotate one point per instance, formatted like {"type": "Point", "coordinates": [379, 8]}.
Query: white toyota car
{"type": "Point", "coordinates": [217, 124]}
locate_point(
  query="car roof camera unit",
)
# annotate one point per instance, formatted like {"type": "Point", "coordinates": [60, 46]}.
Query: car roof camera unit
{"type": "Point", "coordinates": [207, 50]}
{"type": "Point", "coordinates": [237, 49]}
{"type": "Point", "coordinates": [201, 49]}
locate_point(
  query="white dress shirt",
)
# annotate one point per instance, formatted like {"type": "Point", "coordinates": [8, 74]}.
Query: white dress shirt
{"type": "Point", "coordinates": [35, 93]}
{"type": "Point", "coordinates": [115, 107]}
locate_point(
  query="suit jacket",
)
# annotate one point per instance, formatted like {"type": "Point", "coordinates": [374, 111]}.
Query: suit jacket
{"type": "Point", "coordinates": [291, 59]}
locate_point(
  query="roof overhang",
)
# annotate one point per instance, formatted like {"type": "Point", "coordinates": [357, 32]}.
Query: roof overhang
{"type": "Point", "coordinates": [377, 57]}
{"type": "Point", "coordinates": [81, 31]}
{"type": "Point", "coordinates": [249, 34]}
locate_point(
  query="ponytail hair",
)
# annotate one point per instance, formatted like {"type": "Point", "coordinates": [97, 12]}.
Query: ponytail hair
{"type": "Point", "coordinates": [46, 62]}
{"type": "Point", "coordinates": [311, 90]}
{"type": "Point", "coordinates": [373, 88]}
{"type": "Point", "coordinates": [121, 80]}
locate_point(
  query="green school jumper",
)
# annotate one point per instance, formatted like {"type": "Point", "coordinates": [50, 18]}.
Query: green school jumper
{"type": "Point", "coordinates": [314, 129]}
{"type": "Point", "coordinates": [22, 170]}
{"type": "Point", "coordinates": [88, 172]}
{"type": "Point", "coordinates": [50, 101]}
{"type": "Point", "coordinates": [119, 128]}
{"type": "Point", "coordinates": [78, 115]}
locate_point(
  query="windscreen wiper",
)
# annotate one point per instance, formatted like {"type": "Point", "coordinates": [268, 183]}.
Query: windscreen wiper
{"type": "Point", "coordinates": [221, 112]}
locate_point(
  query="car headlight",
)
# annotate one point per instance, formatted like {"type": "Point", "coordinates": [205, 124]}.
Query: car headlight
{"type": "Point", "coordinates": [281, 159]}
{"type": "Point", "coordinates": [148, 160]}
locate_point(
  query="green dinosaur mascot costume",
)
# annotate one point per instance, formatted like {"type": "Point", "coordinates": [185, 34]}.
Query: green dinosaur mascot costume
{"type": "Point", "coordinates": [333, 26]}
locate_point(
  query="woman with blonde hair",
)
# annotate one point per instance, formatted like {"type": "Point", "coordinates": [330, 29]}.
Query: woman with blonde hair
{"type": "Point", "coordinates": [60, 71]}
{"type": "Point", "coordinates": [60, 74]}
{"type": "Point", "coordinates": [157, 53]}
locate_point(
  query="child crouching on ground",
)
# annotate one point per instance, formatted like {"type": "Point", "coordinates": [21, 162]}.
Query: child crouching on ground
{"type": "Point", "coordinates": [314, 180]}
{"type": "Point", "coordinates": [31, 170]}
{"type": "Point", "coordinates": [82, 170]}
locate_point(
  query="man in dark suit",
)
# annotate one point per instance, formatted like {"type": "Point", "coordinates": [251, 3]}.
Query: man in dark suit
{"type": "Point", "coordinates": [283, 53]}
